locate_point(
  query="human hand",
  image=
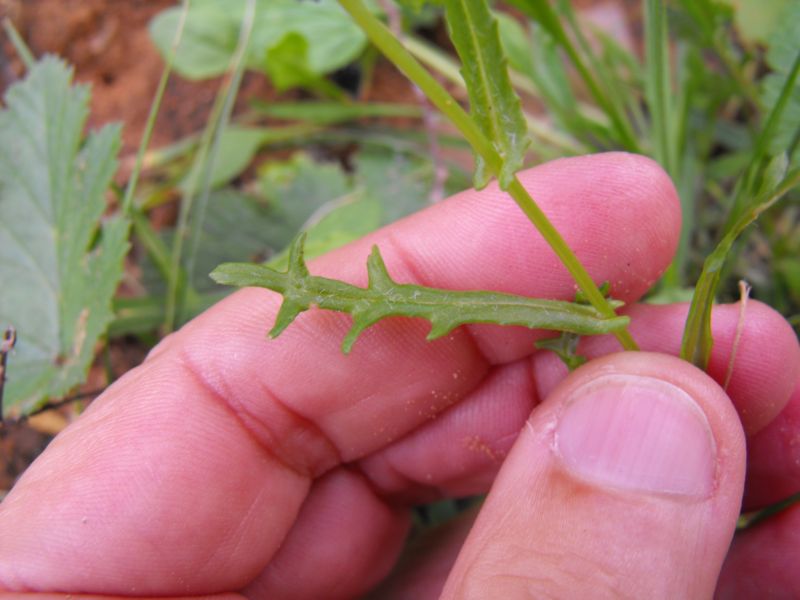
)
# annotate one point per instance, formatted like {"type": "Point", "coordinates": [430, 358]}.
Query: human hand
{"type": "Point", "coordinates": [284, 469]}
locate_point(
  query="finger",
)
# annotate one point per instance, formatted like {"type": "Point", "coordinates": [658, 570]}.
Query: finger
{"type": "Point", "coordinates": [218, 436]}
{"type": "Point", "coordinates": [46, 596]}
{"type": "Point", "coordinates": [759, 386]}
{"type": "Point", "coordinates": [625, 483]}
{"type": "Point", "coordinates": [773, 458]}
{"type": "Point", "coordinates": [460, 452]}
{"type": "Point", "coordinates": [426, 561]}
{"type": "Point", "coordinates": [366, 535]}
{"type": "Point", "coordinates": [762, 562]}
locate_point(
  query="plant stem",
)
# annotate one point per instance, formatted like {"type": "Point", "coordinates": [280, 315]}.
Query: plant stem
{"type": "Point", "coordinates": [127, 201]}
{"type": "Point", "coordinates": [567, 257]}
{"type": "Point", "coordinates": [200, 174]}
{"type": "Point", "coordinates": [25, 54]}
{"type": "Point", "coordinates": [383, 39]}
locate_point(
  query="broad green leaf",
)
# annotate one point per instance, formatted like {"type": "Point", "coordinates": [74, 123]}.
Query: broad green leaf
{"type": "Point", "coordinates": [259, 232]}
{"type": "Point", "coordinates": [494, 104]}
{"type": "Point", "coordinates": [240, 227]}
{"type": "Point", "coordinates": [297, 188]}
{"type": "Point", "coordinates": [341, 221]}
{"type": "Point", "coordinates": [212, 31]}
{"type": "Point", "coordinates": [237, 147]}
{"type": "Point", "coordinates": [288, 67]}
{"type": "Point", "coordinates": [287, 62]}
{"type": "Point", "coordinates": [383, 297]}
{"type": "Point", "coordinates": [757, 20]}
{"type": "Point", "coordinates": [408, 177]}
{"type": "Point", "coordinates": [57, 275]}
{"type": "Point", "coordinates": [366, 205]}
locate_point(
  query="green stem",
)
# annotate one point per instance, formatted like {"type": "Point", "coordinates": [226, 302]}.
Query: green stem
{"type": "Point", "coordinates": [28, 59]}
{"type": "Point", "coordinates": [127, 201]}
{"type": "Point", "coordinates": [383, 39]}
{"type": "Point", "coordinates": [200, 174]}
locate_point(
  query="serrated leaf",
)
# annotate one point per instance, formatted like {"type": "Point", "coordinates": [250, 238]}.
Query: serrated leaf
{"type": "Point", "coordinates": [212, 31]}
{"type": "Point", "coordinates": [565, 346]}
{"type": "Point", "coordinates": [494, 104]}
{"type": "Point", "coordinates": [56, 282]}
{"type": "Point", "coordinates": [383, 297]}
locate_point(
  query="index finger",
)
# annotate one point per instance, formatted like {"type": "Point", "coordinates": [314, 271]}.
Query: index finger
{"type": "Point", "coordinates": [188, 473]}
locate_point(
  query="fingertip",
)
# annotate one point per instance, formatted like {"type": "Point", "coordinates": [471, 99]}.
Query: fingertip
{"type": "Point", "coordinates": [763, 368]}
{"type": "Point", "coordinates": [645, 440]}
{"type": "Point", "coordinates": [756, 353]}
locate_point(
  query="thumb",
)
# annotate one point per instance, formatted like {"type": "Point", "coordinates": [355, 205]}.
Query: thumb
{"type": "Point", "coordinates": [626, 482]}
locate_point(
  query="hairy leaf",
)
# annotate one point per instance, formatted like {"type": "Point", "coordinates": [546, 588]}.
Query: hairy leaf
{"type": "Point", "coordinates": [383, 297]}
{"type": "Point", "coordinates": [56, 275]}
{"type": "Point", "coordinates": [494, 104]}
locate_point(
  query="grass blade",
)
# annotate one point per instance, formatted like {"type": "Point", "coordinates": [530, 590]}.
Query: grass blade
{"type": "Point", "coordinates": [697, 340]}
{"type": "Point", "coordinates": [127, 200]}
{"type": "Point", "coordinates": [541, 12]}
{"type": "Point", "coordinates": [21, 48]}
{"type": "Point", "coordinates": [657, 85]}
{"type": "Point", "coordinates": [201, 172]}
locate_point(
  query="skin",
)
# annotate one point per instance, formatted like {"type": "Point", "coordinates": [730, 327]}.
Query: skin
{"type": "Point", "coordinates": [231, 464]}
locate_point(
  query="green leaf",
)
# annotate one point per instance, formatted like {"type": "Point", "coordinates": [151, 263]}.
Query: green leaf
{"type": "Point", "coordinates": [757, 20]}
{"type": "Point", "coordinates": [212, 31]}
{"type": "Point", "coordinates": [237, 148]}
{"type": "Point", "coordinates": [297, 188]}
{"type": "Point", "coordinates": [784, 50]}
{"type": "Point", "coordinates": [565, 346]}
{"type": "Point", "coordinates": [361, 206]}
{"type": "Point", "coordinates": [516, 44]}
{"type": "Point", "coordinates": [288, 67]}
{"type": "Point", "coordinates": [383, 297]}
{"type": "Point", "coordinates": [342, 220]}
{"type": "Point", "coordinates": [409, 177]}
{"type": "Point", "coordinates": [57, 275]}
{"type": "Point", "coordinates": [495, 106]}
{"type": "Point", "coordinates": [292, 192]}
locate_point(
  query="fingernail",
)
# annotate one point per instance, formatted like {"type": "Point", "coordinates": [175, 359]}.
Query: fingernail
{"type": "Point", "coordinates": [637, 433]}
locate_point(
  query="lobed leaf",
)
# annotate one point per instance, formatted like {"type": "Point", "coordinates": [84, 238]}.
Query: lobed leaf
{"type": "Point", "coordinates": [383, 297]}
{"type": "Point", "coordinates": [57, 279]}
{"type": "Point", "coordinates": [495, 105]}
